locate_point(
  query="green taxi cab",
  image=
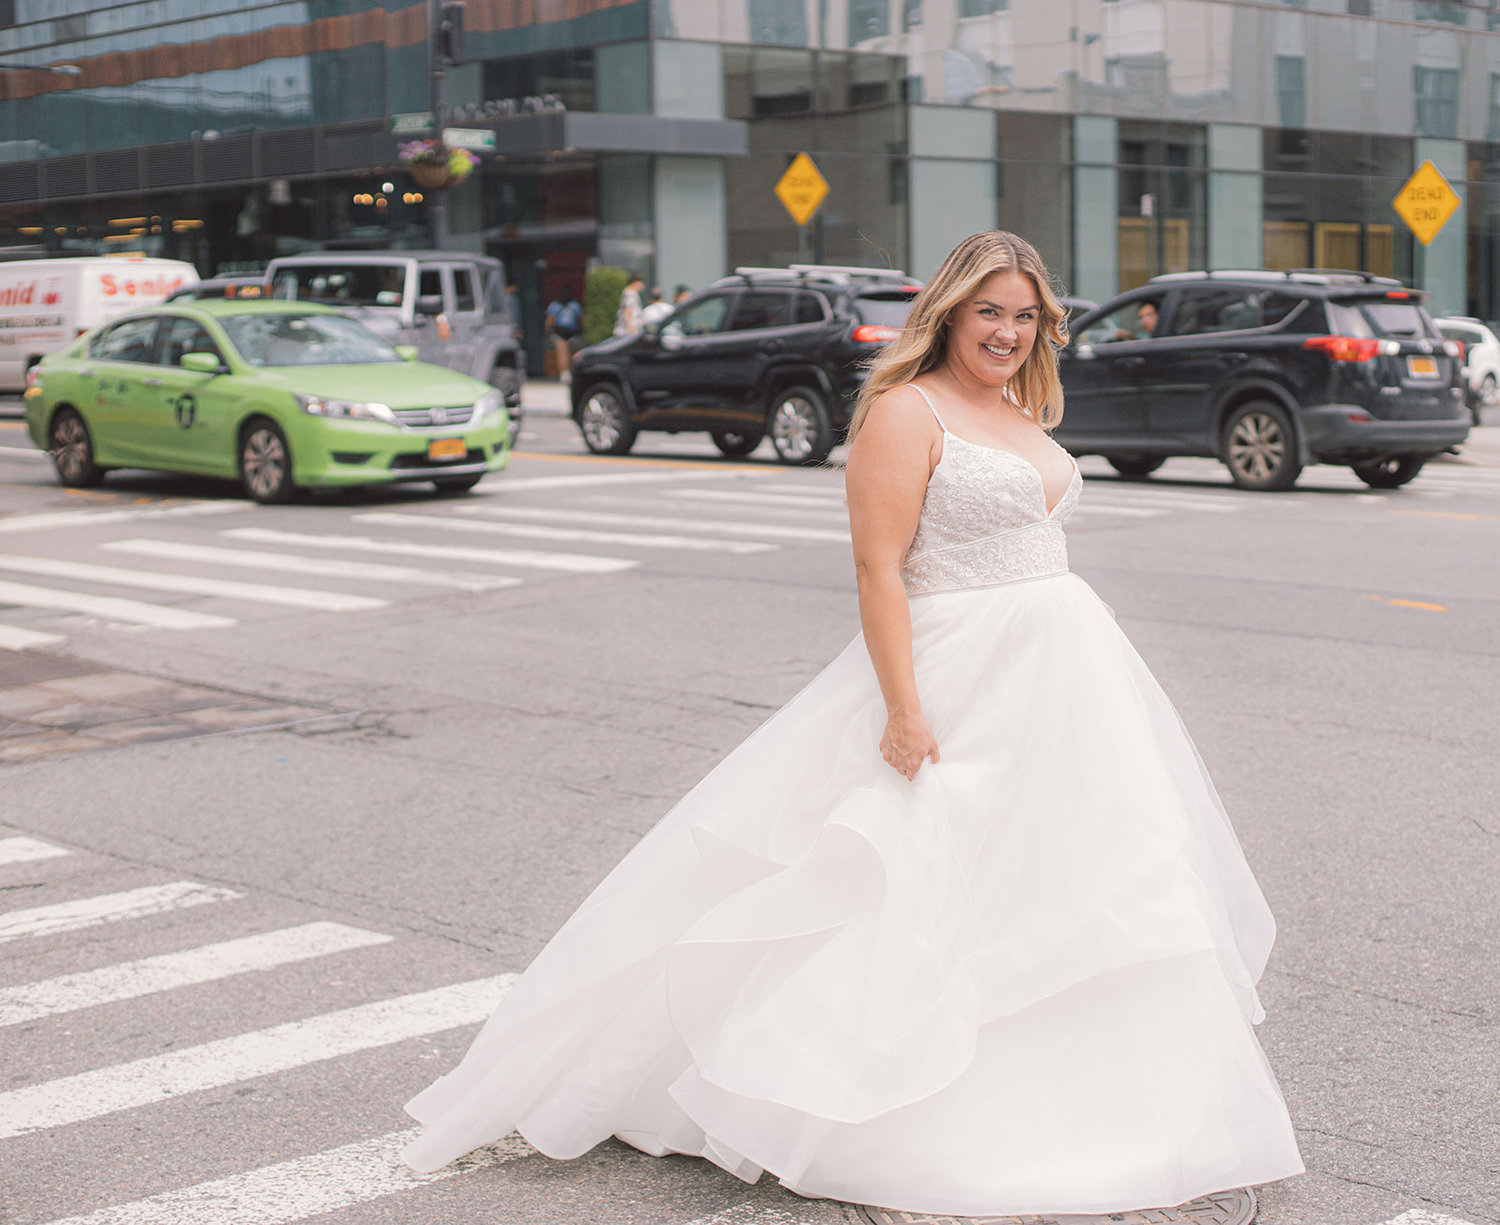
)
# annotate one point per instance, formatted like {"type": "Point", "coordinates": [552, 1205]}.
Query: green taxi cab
{"type": "Point", "coordinates": [280, 396]}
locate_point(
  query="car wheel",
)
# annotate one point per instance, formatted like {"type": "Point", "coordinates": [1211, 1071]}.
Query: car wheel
{"type": "Point", "coordinates": [1259, 447]}
{"type": "Point", "coordinates": [1391, 472]}
{"type": "Point", "coordinates": [457, 484]}
{"type": "Point", "coordinates": [737, 442]}
{"type": "Point", "coordinates": [799, 427]}
{"type": "Point", "coordinates": [606, 426]}
{"type": "Point", "coordinates": [1134, 467]}
{"type": "Point", "coordinates": [73, 451]}
{"type": "Point", "coordinates": [266, 463]}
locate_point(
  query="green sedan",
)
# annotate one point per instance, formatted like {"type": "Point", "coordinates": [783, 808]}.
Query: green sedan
{"type": "Point", "coordinates": [279, 395]}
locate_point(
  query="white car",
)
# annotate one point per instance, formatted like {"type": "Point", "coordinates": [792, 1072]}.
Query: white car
{"type": "Point", "coordinates": [1481, 359]}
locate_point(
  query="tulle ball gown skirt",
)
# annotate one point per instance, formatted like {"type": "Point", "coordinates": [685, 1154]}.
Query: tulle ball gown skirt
{"type": "Point", "coordinates": [1022, 983]}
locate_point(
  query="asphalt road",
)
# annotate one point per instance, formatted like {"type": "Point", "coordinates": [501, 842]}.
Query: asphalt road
{"type": "Point", "coordinates": [389, 767]}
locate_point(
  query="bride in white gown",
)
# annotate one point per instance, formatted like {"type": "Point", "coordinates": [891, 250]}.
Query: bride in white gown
{"type": "Point", "coordinates": [963, 928]}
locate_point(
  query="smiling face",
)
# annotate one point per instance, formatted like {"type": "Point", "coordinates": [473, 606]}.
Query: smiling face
{"type": "Point", "coordinates": [993, 331]}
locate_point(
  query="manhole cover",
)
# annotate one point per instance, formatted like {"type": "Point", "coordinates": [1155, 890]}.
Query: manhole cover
{"type": "Point", "coordinates": [1223, 1208]}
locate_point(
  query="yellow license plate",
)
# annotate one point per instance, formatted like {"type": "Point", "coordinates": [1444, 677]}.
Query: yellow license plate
{"type": "Point", "coordinates": [1421, 367]}
{"type": "Point", "coordinates": [447, 448]}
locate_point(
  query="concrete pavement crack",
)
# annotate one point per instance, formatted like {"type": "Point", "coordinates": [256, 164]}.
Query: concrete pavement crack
{"type": "Point", "coordinates": [1349, 989]}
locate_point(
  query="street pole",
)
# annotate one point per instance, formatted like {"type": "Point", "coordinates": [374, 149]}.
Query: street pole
{"type": "Point", "coordinates": [436, 64]}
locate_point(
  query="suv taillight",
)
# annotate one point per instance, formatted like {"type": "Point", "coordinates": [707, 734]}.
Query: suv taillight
{"type": "Point", "coordinates": [1345, 348]}
{"type": "Point", "coordinates": [874, 334]}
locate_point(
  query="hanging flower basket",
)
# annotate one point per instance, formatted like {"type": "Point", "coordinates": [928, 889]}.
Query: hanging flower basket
{"type": "Point", "coordinates": [434, 165]}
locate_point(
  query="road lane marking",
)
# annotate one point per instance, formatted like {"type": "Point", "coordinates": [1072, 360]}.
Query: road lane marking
{"type": "Point", "coordinates": [303, 1187]}
{"type": "Point", "coordinates": [771, 501]}
{"type": "Point", "coordinates": [707, 465]}
{"type": "Point", "coordinates": [536, 531]}
{"type": "Point", "coordinates": [828, 494]}
{"type": "Point", "coordinates": [108, 908]}
{"type": "Point", "coordinates": [607, 478]}
{"type": "Point", "coordinates": [1420, 1216]}
{"type": "Point", "coordinates": [13, 638]}
{"type": "Point", "coordinates": [296, 564]}
{"type": "Point", "coordinates": [1439, 514]}
{"type": "Point", "coordinates": [573, 563]}
{"type": "Point", "coordinates": [28, 850]}
{"type": "Point", "coordinates": [97, 518]}
{"type": "Point", "coordinates": [227, 1061]}
{"type": "Point", "coordinates": [28, 452]}
{"type": "Point", "coordinates": [1417, 604]}
{"type": "Point", "coordinates": [1092, 507]}
{"type": "Point", "coordinates": [208, 963]}
{"type": "Point", "coordinates": [111, 608]}
{"type": "Point", "coordinates": [773, 530]}
{"type": "Point", "coordinates": [294, 597]}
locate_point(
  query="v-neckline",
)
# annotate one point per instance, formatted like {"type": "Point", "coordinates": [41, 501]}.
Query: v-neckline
{"type": "Point", "coordinates": [1016, 455]}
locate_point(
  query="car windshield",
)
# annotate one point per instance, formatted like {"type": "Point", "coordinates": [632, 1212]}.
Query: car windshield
{"type": "Point", "coordinates": [342, 284]}
{"type": "Point", "coordinates": [888, 309]}
{"type": "Point", "coordinates": [305, 340]}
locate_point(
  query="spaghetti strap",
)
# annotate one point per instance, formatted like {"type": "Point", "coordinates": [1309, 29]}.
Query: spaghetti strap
{"type": "Point", "coordinates": [930, 405]}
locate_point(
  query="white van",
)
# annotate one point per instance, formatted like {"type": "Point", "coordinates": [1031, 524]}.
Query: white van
{"type": "Point", "coordinates": [46, 304]}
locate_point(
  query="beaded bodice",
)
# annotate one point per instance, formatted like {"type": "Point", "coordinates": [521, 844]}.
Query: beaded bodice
{"type": "Point", "coordinates": [985, 522]}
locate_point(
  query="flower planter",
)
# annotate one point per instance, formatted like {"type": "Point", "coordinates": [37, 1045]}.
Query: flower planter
{"type": "Point", "coordinates": [430, 176]}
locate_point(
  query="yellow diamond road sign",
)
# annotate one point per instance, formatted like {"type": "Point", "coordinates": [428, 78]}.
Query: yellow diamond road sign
{"type": "Point", "coordinates": [801, 189]}
{"type": "Point", "coordinates": [1426, 202]}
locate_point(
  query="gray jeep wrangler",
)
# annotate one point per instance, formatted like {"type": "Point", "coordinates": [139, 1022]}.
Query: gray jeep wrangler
{"type": "Point", "coordinates": [449, 304]}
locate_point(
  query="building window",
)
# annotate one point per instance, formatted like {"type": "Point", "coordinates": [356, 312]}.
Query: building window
{"type": "Point", "coordinates": [868, 19]}
{"type": "Point", "coordinates": [1291, 90]}
{"type": "Point", "coordinates": [1437, 101]}
{"type": "Point", "coordinates": [1450, 12]}
{"type": "Point", "coordinates": [782, 23]}
{"type": "Point", "coordinates": [981, 8]}
{"type": "Point", "coordinates": [1493, 134]}
{"type": "Point", "coordinates": [1361, 8]}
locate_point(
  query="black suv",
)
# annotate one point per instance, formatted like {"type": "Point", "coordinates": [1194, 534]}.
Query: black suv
{"type": "Point", "coordinates": [778, 351]}
{"type": "Point", "coordinates": [1268, 372]}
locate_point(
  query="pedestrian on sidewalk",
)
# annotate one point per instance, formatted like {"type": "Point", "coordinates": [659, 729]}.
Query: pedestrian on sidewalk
{"type": "Point", "coordinates": [564, 320]}
{"type": "Point", "coordinates": [655, 310]}
{"type": "Point", "coordinates": [628, 318]}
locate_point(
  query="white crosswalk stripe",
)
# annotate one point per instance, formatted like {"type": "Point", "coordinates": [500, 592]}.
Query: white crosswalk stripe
{"type": "Point", "coordinates": [820, 506]}
{"type": "Point", "coordinates": [574, 563]}
{"type": "Point", "coordinates": [108, 908]}
{"type": "Point", "coordinates": [773, 531]}
{"type": "Point", "coordinates": [1420, 1216]}
{"type": "Point", "coordinates": [149, 975]}
{"type": "Point", "coordinates": [227, 1061]}
{"type": "Point", "coordinates": [110, 608]}
{"type": "Point", "coordinates": [293, 563]}
{"type": "Point", "coordinates": [25, 524]}
{"type": "Point", "coordinates": [28, 850]}
{"type": "Point", "coordinates": [304, 1187]}
{"type": "Point", "coordinates": [537, 531]}
{"type": "Point", "coordinates": [14, 638]}
{"type": "Point", "coordinates": [295, 597]}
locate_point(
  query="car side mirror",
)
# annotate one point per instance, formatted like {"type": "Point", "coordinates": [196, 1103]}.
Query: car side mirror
{"type": "Point", "coordinates": [409, 353]}
{"type": "Point", "coordinates": [202, 363]}
{"type": "Point", "coordinates": [430, 304]}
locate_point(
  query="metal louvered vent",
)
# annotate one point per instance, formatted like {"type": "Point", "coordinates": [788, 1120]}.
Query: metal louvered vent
{"type": "Point", "coordinates": [20, 183]}
{"type": "Point", "coordinates": [351, 148]}
{"type": "Point", "coordinates": [287, 153]}
{"type": "Point", "coordinates": [229, 157]}
{"type": "Point", "coordinates": [169, 165]}
{"type": "Point", "coordinates": [117, 170]}
{"type": "Point", "coordinates": [66, 176]}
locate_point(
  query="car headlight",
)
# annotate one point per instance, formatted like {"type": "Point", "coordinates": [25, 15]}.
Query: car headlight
{"type": "Point", "coordinates": [491, 404]}
{"type": "Point", "coordinates": [356, 410]}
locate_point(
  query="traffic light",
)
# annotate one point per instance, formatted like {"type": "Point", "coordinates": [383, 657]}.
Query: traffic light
{"type": "Point", "coordinates": [451, 32]}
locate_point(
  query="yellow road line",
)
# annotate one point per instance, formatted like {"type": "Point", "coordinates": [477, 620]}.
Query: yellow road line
{"type": "Point", "coordinates": [1421, 605]}
{"type": "Point", "coordinates": [1439, 514]}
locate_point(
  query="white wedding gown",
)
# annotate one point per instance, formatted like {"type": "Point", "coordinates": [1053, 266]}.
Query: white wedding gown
{"type": "Point", "coordinates": [1022, 983]}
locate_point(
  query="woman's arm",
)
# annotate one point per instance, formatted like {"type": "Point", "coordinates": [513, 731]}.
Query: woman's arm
{"type": "Point", "coordinates": [885, 479]}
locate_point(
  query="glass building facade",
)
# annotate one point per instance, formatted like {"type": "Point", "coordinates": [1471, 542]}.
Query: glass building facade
{"type": "Point", "coordinates": [1124, 137]}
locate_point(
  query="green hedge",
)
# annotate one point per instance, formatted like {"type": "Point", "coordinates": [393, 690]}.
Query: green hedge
{"type": "Point", "coordinates": [601, 302]}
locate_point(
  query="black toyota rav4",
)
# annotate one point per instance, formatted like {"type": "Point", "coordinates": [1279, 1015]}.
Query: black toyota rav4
{"type": "Point", "coordinates": [767, 351]}
{"type": "Point", "coordinates": [1268, 372]}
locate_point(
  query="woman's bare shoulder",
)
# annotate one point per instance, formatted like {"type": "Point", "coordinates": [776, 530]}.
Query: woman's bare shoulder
{"type": "Point", "coordinates": [902, 411]}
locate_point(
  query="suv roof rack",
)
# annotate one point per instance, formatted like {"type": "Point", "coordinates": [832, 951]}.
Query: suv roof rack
{"type": "Point", "coordinates": [828, 274]}
{"type": "Point", "coordinates": [1310, 276]}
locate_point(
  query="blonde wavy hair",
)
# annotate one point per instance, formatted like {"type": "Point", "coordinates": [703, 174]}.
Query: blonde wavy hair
{"type": "Point", "coordinates": [923, 343]}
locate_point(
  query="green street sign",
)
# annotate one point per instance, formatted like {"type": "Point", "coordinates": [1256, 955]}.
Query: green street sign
{"type": "Point", "coordinates": [469, 138]}
{"type": "Point", "coordinates": [412, 121]}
